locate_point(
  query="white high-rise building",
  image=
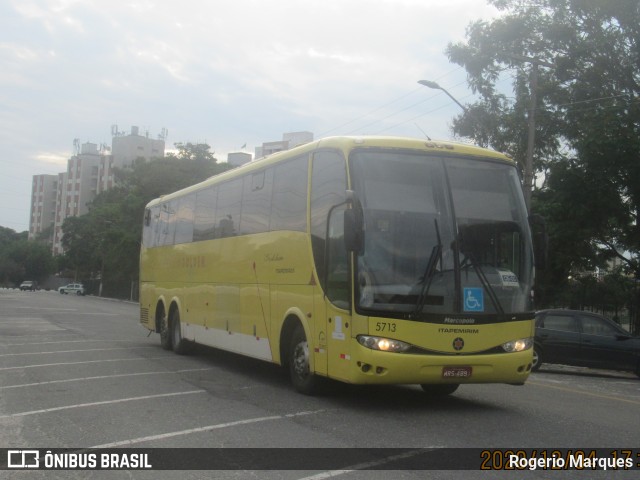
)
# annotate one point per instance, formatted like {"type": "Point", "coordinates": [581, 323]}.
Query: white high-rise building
{"type": "Point", "coordinates": [89, 172]}
{"type": "Point", "coordinates": [43, 203]}
{"type": "Point", "coordinates": [289, 140]}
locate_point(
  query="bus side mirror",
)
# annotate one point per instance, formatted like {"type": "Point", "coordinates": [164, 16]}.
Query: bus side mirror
{"type": "Point", "coordinates": [353, 231]}
{"type": "Point", "coordinates": [353, 224]}
{"type": "Point", "coordinates": [540, 240]}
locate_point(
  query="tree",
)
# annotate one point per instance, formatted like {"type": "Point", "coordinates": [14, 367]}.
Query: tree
{"type": "Point", "coordinates": [199, 152]}
{"type": "Point", "coordinates": [103, 246]}
{"type": "Point", "coordinates": [22, 259]}
{"type": "Point", "coordinates": [587, 150]}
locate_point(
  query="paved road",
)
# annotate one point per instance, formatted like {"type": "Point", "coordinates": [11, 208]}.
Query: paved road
{"type": "Point", "coordinates": [81, 372]}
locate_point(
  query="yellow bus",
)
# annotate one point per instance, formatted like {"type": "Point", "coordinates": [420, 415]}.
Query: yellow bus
{"type": "Point", "coordinates": [368, 260]}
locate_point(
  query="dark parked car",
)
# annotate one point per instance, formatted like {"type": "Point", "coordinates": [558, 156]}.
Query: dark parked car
{"type": "Point", "coordinates": [584, 339]}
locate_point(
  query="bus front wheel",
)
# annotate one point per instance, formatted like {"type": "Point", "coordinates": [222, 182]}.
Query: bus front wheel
{"type": "Point", "coordinates": [537, 358]}
{"type": "Point", "coordinates": [303, 380]}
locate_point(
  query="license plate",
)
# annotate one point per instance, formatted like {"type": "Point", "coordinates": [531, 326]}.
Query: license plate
{"type": "Point", "coordinates": [456, 372]}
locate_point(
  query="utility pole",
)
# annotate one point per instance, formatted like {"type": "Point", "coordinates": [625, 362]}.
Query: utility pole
{"type": "Point", "coordinates": [531, 118]}
{"type": "Point", "coordinates": [531, 135]}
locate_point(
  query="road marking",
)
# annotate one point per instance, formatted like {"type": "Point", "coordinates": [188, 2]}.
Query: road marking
{"type": "Point", "coordinates": [105, 402]}
{"type": "Point", "coordinates": [365, 465]}
{"type": "Point", "coordinates": [53, 309]}
{"type": "Point", "coordinates": [572, 390]}
{"type": "Point", "coordinates": [81, 363]}
{"type": "Point", "coordinates": [96, 313]}
{"type": "Point", "coordinates": [162, 436]}
{"type": "Point", "coordinates": [61, 341]}
{"type": "Point", "coordinates": [74, 311]}
{"type": "Point", "coordinates": [102, 377]}
{"type": "Point", "coordinates": [71, 351]}
{"type": "Point", "coordinates": [18, 320]}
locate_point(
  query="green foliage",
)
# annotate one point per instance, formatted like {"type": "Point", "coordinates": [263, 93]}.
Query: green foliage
{"type": "Point", "coordinates": [21, 259]}
{"type": "Point", "coordinates": [587, 149]}
{"type": "Point", "coordinates": [103, 246]}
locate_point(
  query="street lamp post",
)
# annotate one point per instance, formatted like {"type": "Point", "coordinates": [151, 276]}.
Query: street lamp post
{"type": "Point", "coordinates": [435, 86]}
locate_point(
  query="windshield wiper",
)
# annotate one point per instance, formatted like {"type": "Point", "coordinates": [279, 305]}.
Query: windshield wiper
{"type": "Point", "coordinates": [434, 259]}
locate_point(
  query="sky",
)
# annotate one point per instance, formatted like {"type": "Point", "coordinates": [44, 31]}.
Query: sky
{"type": "Point", "coordinates": [228, 73]}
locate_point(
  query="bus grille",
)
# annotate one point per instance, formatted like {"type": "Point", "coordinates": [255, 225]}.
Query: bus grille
{"type": "Point", "coordinates": [144, 315]}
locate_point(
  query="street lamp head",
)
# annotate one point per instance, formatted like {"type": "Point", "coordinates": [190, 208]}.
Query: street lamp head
{"type": "Point", "coordinates": [430, 84]}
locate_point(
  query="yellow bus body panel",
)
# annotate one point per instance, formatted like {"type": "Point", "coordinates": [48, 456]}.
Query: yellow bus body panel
{"type": "Point", "coordinates": [244, 285]}
{"type": "Point", "coordinates": [236, 294]}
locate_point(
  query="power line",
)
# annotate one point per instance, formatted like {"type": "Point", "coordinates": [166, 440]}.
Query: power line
{"type": "Point", "coordinates": [386, 105]}
{"type": "Point", "coordinates": [368, 113]}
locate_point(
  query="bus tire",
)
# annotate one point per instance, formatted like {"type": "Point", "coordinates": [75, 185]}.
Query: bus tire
{"type": "Point", "coordinates": [303, 380]}
{"type": "Point", "coordinates": [165, 334]}
{"type": "Point", "coordinates": [439, 390]}
{"type": "Point", "coordinates": [179, 344]}
{"type": "Point", "coordinates": [537, 358]}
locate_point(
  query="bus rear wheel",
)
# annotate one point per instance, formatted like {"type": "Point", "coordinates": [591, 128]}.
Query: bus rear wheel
{"type": "Point", "coordinates": [439, 390]}
{"type": "Point", "coordinates": [179, 344]}
{"type": "Point", "coordinates": [303, 380]}
{"type": "Point", "coordinates": [165, 335]}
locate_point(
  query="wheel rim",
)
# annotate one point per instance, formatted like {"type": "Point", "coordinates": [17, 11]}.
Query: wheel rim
{"type": "Point", "coordinates": [301, 360]}
{"type": "Point", "coordinates": [165, 333]}
{"type": "Point", "coordinates": [536, 359]}
{"type": "Point", "coordinates": [176, 331]}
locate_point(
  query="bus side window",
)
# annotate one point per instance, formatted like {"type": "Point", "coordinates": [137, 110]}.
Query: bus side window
{"type": "Point", "coordinates": [204, 227]}
{"type": "Point", "coordinates": [338, 279]}
{"type": "Point", "coordinates": [289, 198]}
{"type": "Point", "coordinates": [228, 209]}
{"type": "Point", "coordinates": [256, 202]}
{"type": "Point", "coordinates": [147, 231]}
{"type": "Point", "coordinates": [184, 219]}
{"type": "Point", "coordinates": [328, 186]}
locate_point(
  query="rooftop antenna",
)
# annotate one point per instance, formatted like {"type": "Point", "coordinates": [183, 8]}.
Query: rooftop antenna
{"type": "Point", "coordinates": [423, 132]}
{"type": "Point", "coordinates": [115, 132]}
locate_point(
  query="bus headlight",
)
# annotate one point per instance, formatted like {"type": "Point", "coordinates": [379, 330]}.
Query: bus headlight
{"type": "Point", "coordinates": [383, 344]}
{"type": "Point", "coordinates": [518, 345]}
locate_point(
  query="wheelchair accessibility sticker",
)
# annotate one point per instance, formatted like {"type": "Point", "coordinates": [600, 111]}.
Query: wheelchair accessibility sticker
{"type": "Point", "coordinates": [473, 299]}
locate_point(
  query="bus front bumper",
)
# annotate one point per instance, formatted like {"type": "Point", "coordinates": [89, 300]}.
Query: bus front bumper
{"type": "Point", "coordinates": [376, 367]}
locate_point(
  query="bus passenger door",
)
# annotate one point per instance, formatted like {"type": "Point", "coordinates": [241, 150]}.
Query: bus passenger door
{"type": "Point", "coordinates": [338, 298]}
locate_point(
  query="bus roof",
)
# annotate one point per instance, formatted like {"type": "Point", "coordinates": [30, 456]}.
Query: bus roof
{"type": "Point", "coordinates": [345, 144]}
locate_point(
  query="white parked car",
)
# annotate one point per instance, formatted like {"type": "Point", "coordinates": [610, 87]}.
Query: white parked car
{"type": "Point", "coordinates": [76, 288]}
{"type": "Point", "coordinates": [29, 285]}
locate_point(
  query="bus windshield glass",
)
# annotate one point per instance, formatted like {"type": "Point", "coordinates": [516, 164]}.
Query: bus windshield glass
{"type": "Point", "coordinates": [442, 235]}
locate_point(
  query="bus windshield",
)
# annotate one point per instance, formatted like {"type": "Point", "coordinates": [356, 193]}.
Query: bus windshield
{"type": "Point", "coordinates": [442, 235]}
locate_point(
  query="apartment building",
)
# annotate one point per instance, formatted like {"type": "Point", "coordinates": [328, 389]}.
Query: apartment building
{"type": "Point", "coordinates": [89, 172]}
{"type": "Point", "coordinates": [43, 203]}
{"type": "Point", "coordinates": [289, 140]}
